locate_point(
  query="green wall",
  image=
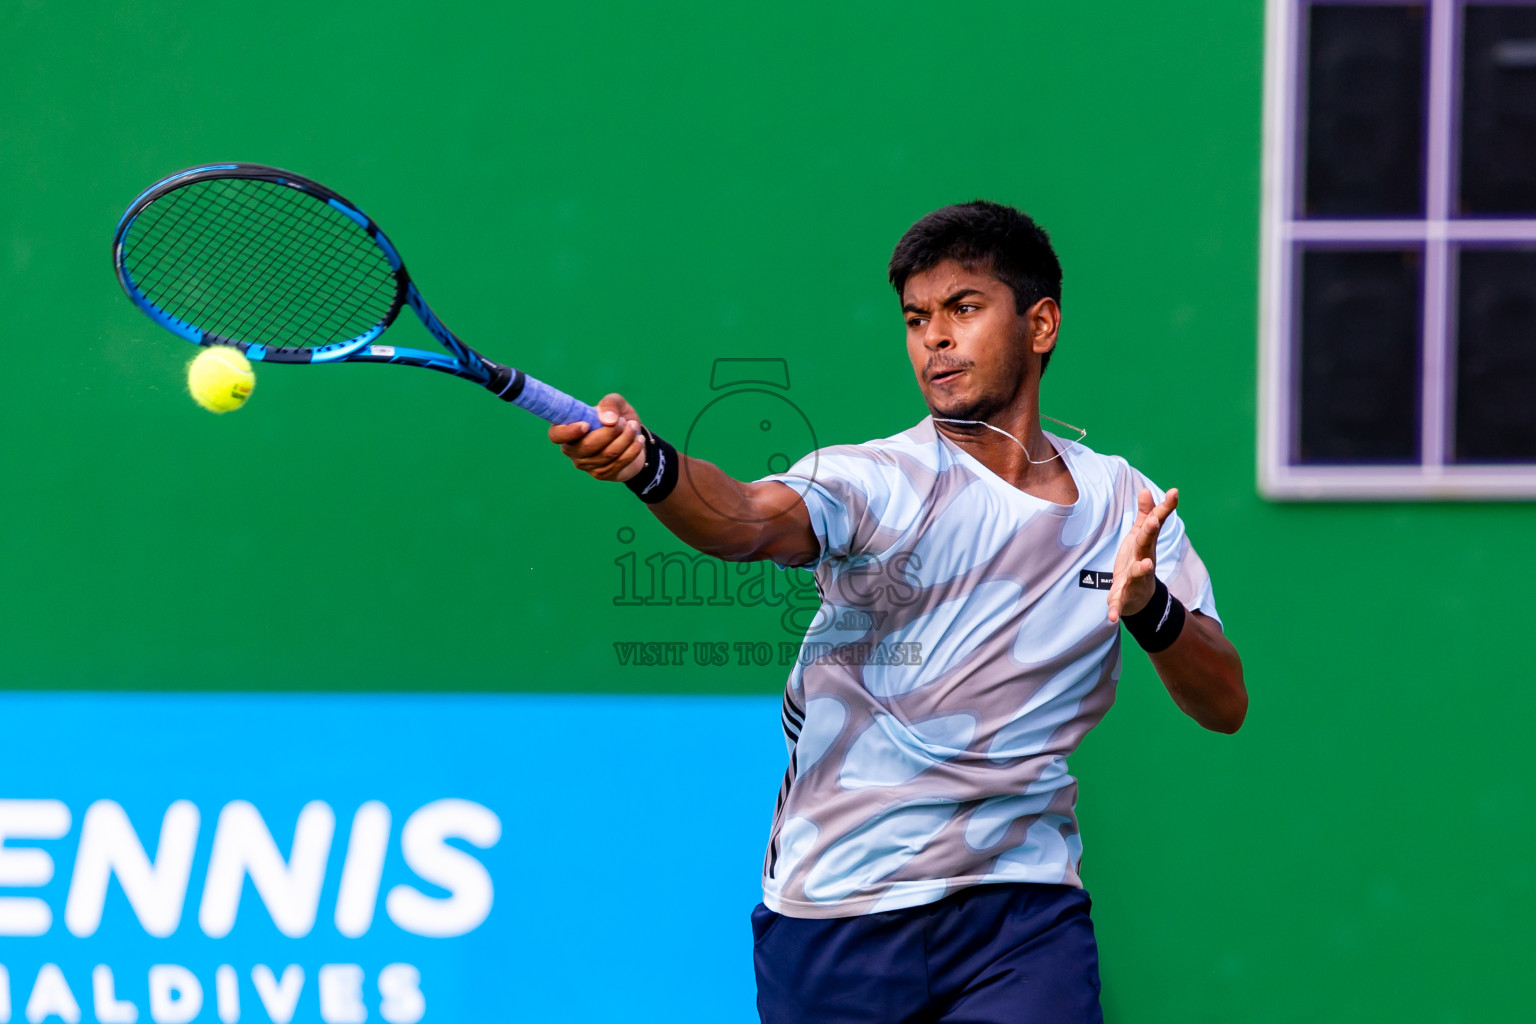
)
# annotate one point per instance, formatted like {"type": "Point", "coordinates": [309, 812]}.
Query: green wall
{"type": "Point", "coordinates": [681, 183]}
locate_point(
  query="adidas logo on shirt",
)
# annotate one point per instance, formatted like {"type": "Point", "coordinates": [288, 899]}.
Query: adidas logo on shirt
{"type": "Point", "coordinates": [1095, 580]}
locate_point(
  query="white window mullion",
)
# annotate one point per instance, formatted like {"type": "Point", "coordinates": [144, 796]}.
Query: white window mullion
{"type": "Point", "coordinates": [1437, 248]}
{"type": "Point", "coordinates": [1276, 360]}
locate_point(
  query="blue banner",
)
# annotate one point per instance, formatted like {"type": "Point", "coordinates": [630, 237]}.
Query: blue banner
{"type": "Point", "coordinates": [342, 859]}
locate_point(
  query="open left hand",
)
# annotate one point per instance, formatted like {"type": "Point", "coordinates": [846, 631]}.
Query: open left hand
{"type": "Point", "coordinates": [1134, 579]}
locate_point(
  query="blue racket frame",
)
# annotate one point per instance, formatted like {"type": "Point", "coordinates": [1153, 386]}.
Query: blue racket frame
{"type": "Point", "coordinates": [507, 383]}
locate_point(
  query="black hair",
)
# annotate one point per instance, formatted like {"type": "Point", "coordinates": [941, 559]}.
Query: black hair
{"type": "Point", "coordinates": [983, 235]}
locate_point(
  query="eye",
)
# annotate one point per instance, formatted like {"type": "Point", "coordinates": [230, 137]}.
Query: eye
{"type": "Point", "coordinates": [967, 307]}
{"type": "Point", "coordinates": [915, 322]}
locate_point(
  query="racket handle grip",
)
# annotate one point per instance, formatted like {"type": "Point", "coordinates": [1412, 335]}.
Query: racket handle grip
{"type": "Point", "coordinates": [532, 394]}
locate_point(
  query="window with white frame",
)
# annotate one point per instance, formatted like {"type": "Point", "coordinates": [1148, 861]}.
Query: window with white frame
{"type": "Point", "coordinates": [1398, 334]}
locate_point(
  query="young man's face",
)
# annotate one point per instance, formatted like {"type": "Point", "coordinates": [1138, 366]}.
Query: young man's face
{"type": "Point", "coordinates": [971, 350]}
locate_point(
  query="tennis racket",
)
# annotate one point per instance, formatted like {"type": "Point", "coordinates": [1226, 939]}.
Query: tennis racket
{"type": "Point", "coordinates": [288, 271]}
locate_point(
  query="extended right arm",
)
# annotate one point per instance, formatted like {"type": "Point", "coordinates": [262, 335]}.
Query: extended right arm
{"type": "Point", "coordinates": [708, 510]}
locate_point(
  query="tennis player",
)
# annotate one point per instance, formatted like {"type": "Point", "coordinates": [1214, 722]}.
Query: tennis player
{"type": "Point", "coordinates": [923, 864]}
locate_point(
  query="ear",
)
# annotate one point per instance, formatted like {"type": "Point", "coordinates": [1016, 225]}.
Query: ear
{"type": "Point", "coordinates": [1042, 321]}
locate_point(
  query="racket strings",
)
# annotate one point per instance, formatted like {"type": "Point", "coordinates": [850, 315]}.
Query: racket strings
{"type": "Point", "coordinates": [192, 244]}
{"type": "Point", "coordinates": [207, 230]}
{"type": "Point", "coordinates": [157, 251]}
{"type": "Point", "coordinates": [320, 258]}
{"type": "Point", "coordinates": [336, 235]}
{"type": "Point", "coordinates": [191, 295]}
{"type": "Point", "coordinates": [170, 239]}
{"type": "Point", "coordinates": [329, 263]}
{"type": "Point", "coordinates": [259, 262]}
{"type": "Point", "coordinates": [288, 232]}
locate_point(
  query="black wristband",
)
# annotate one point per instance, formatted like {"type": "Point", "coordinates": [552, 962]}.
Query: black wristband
{"type": "Point", "coordinates": [659, 475]}
{"type": "Point", "coordinates": [1159, 624]}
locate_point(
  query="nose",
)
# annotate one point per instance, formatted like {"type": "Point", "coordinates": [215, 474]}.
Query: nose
{"type": "Point", "coordinates": [938, 336]}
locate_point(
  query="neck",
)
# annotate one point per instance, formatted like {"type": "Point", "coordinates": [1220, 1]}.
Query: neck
{"type": "Point", "coordinates": [1022, 457]}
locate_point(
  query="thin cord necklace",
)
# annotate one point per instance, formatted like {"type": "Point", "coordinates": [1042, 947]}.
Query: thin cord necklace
{"type": "Point", "coordinates": [1081, 433]}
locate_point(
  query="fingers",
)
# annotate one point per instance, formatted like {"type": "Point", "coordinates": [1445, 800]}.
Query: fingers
{"type": "Point", "coordinates": [605, 452]}
{"type": "Point", "coordinates": [565, 433]}
{"type": "Point", "coordinates": [621, 408]}
{"type": "Point", "coordinates": [1137, 558]}
{"type": "Point", "coordinates": [1144, 513]}
{"type": "Point", "coordinates": [1151, 518]}
{"type": "Point", "coordinates": [626, 463]}
{"type": "Point", "coordinates": [1137, 570]}
{"type": "Point", "coordinates": [1144, 535]}
{"type": "Point", "coordinates": [625, 440]}
{"type": "Point", "coordinates": [611, 449]}
{"type": "Point", "coordinates": [631, 463]}
{"type": "Point", "coordinates": [601, 446]}
{"type": "Point", "coordinates": [612, 410]}
{"type": "Point", "coordinates": [1165, 508]}
{"type": "Point", "coordinates": [1162, 509]}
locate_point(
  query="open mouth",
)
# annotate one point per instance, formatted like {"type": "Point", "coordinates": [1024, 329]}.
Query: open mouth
{"type": "Point", "coordinates": [945, 375]}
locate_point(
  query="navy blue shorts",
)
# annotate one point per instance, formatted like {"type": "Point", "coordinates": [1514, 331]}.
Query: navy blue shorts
{"type": "Point", "coordinates": [988, 954]}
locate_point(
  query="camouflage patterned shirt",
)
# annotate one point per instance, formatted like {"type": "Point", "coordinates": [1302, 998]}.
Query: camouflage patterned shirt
{"type": "Point", "coordinates": [961, 651]}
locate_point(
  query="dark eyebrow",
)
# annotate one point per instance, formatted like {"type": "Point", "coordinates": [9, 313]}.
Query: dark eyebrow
{"type": "Point", "coordinates": [950, 301]}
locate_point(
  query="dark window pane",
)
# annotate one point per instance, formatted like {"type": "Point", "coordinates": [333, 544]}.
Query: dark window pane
{"type": "Point", "coordinates": [1496, 357]}
{"type": "Point", "coordinates": [1498, 110]}
{"type": "Point", "coordinates": [1358, 372]}
{"type": "Point", "coordinates": [1365, 110]}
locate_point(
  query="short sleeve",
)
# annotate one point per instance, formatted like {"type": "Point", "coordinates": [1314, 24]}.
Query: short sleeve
{"type": "Point", "coordinates": [1178, 564]}
{"type": "Point", "coordinates": [847, 490]}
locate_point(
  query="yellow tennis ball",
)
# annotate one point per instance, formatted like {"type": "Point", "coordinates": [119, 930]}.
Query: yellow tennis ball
{"type": "Point", "coordinates": [220, 378]}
